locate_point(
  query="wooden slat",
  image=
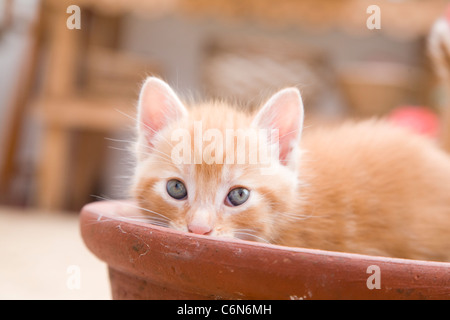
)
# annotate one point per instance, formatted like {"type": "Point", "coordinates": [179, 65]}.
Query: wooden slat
{"type": "Point", "coordinates": [88, 114]}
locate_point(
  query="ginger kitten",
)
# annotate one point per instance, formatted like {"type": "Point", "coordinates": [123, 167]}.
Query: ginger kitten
{"type": "Point", "coordinates": [215, 170]}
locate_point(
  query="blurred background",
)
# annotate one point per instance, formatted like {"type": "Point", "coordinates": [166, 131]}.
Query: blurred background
{"type": "Point", "coordinates": [68, 96]}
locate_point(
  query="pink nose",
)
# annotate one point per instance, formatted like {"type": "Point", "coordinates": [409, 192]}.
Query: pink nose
{"type": "Point", "coordinates": [199, 228]}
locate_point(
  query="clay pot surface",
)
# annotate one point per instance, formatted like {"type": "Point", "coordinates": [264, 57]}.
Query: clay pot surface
{"type": "Point", "coordinates": [151, 262]}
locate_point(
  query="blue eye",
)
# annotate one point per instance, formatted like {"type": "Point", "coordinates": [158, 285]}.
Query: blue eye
{"type": "Point", "coordinates": [176, 189]}
{"type": "Point", "coordinates": [237, 196]}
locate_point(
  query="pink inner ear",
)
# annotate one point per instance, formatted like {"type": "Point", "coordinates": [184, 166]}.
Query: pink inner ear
{"type": "Point", "coordinates": [158, 106]}
{"type": "Point", "coordinates": [288, 136]}
{"type": "Point", "coordinates": [152, 121]}
{"type": "Point", "coordinates": [283, 111]}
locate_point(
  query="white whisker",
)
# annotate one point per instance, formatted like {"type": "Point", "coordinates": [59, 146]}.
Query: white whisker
{"type": "Point", "coordinates": [134, 206]}
{"type": "Point", "coordinates": [252, 236]}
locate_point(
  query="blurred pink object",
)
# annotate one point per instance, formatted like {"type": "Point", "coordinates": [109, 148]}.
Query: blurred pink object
{"type": "Point", "coordinates": [447, 14]}
{"type": "Point", "coordinates": [420, 120]}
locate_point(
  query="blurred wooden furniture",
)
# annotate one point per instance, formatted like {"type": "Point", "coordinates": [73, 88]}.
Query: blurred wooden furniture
{"type": "Point", "coordinates": [400, 19]}
{"type": "Point", "coordinates": [404, 20]}
{"type": "Point", "coordinates": [87, 89]}
{"type": "Point", "coordinates": [15, 112]}
{"type": "Point", "coordinates": [247, 69]}
{"type": "Point", "coordinates": [375, 88]}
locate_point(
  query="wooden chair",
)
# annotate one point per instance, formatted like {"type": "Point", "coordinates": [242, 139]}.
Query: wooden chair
{"type": "Point", "coordinates": [96, 108]}
{"type": "Point", "coordinates": [88, 88]}
{"type": "Point", "coordinates": [18, 106]}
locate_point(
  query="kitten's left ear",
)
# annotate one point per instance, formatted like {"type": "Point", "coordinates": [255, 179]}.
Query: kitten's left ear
{"type": "Point", "coordinates": [284, 112]}
{"type": "Point", "coordinates": [158, 106]}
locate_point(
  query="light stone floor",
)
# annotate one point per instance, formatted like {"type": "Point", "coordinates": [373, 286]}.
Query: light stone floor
{"type": "Point", "coordinates": [42, 256]}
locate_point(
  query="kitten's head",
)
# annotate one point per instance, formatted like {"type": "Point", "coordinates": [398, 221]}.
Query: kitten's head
{"type": "Point", "coordinates": [212, 169]}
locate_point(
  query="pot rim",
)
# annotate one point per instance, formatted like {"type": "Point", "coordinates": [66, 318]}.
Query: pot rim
{"type": "Point", "coordinates": [234, 268]}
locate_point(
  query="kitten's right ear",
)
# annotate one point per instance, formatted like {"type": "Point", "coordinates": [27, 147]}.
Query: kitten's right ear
{"type": "Point", "coordinates": [158, 106]}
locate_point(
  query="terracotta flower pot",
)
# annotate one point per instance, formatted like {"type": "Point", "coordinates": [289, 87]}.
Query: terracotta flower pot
{"type": "Point", "coordinates": [150, 262]}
